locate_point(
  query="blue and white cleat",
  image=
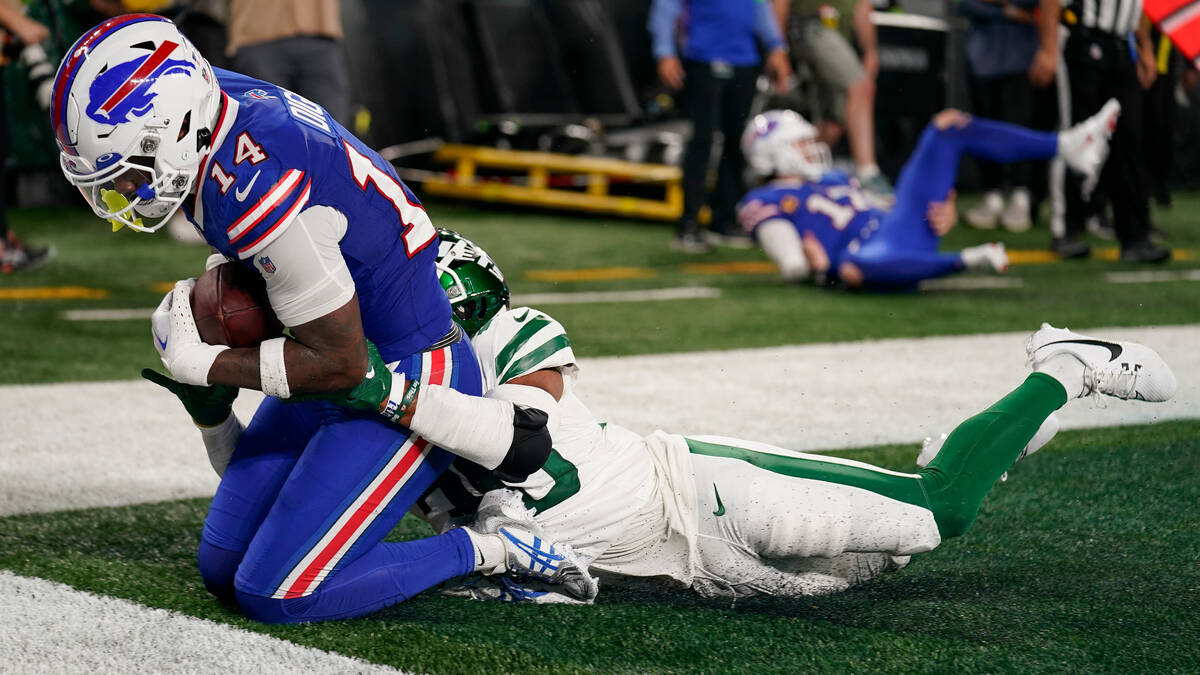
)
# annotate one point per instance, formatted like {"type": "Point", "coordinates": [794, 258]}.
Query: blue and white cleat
{"type": "Point", "coordinates": [1126, 370]}
{"type": "Point", "coordinates": [503, 588]}
{"type": "Point", "coordinates": [531, 560]}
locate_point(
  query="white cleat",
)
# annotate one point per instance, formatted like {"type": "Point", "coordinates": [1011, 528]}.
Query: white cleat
{"type": "Point", "coordinates": [991, 256]}
{"type": "Point", "coordinates": [503, 588]}
{"type": "Point", "coordinates": [932, 445]}
{"type": "Point", "coordinates": [1016, 215]}
{"type": "Point", "coordinates": [529, 555]}
{"type": "Point", "coordinates": [1084, 147]}
{"type": "Point", "coordinates": [1126, 370]}
{"type": "Point", "coordinates": [986, 214]}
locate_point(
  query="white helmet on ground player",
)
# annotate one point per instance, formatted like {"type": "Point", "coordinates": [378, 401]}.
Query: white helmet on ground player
{"type": "Point", "coordinates": [782, 143]}
{"type": "Point", "coordinates": [133, 109]}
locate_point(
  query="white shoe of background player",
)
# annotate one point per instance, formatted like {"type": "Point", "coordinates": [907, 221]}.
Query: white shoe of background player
{"type": "Point", "coordinates": [991, 256]}
{"type": "Point", "coordinates": [1084, 147]}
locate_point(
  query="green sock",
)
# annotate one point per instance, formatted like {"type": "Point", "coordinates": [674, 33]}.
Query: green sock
{"type": "Point", "coordinates": [982, 448]}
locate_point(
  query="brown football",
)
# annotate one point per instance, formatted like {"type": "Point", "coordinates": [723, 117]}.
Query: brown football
{"type": "Point", "coordinates": [230, 306]}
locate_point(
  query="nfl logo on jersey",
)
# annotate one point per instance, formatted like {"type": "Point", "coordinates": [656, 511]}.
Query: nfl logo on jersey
{"type": "Point", "coordinates": [267, 266]}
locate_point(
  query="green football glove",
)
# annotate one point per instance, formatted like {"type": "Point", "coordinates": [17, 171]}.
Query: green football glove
{"type": "Point", "coordinates": [374, 394]}
{"type": "Point", "coordinates": [208, 406]}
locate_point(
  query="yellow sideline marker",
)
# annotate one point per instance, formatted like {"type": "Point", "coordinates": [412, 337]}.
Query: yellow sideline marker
{"type": "Point", "coordinates": [1030, 257]}
{"type": "Point", "coordinates": [734, 267]}
{"type": "Point", "coordinates": [54, 293]}
{"type": "Point", "coordinates": [592, 274]}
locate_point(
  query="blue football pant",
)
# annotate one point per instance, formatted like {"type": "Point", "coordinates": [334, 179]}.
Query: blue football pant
{"type": "Point", "coordinates": [905, 249]}
{"type": "Point", "coordinates": [294, 532]}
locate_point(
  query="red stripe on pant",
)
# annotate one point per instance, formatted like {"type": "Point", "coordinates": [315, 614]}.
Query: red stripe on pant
{"type": "Point", "coordinates": [372, 504]}
{"type": "Point", "coordinates": [437, 375]}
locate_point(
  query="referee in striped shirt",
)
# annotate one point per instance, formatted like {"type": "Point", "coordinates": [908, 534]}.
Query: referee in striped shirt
{"type": "Point", "coordinates": [1106, 54]}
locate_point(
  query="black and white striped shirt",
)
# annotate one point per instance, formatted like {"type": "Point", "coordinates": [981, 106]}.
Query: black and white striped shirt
{"type": "Point", "coordinates": [1118, 17]}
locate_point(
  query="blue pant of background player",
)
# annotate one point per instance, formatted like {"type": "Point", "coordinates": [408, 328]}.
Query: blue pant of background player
{"type": "Point", "coordinates": [904, 250]}
{"type": "Point", "coordinates": [295, 530]}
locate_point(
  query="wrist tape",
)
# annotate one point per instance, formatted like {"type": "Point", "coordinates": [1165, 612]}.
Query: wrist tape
{"type": "Point", "coordinates": [271, 370]}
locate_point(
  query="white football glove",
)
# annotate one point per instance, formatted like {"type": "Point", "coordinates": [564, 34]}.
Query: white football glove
{"type": "Point", "coordinates": [183, 353]}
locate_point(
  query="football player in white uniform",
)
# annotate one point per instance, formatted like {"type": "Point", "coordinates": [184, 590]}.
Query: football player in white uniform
{"type": "Point", "coordinates": [728, 517]}
{"type": "Point", "coordinates": [732, 517]}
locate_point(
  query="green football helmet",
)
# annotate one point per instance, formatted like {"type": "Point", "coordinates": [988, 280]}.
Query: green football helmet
{"type": "Point", "coordinates": [472, 281]}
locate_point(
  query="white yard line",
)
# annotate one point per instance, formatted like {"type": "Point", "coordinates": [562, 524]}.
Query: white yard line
{"type": "Point", "coordinates": [142, 314]}
{"type": "Point", "coordinates": [86, 633]}
{"type": "Point", "coordinates": [66, 446]}
{"type": "Point", "coordinates": [970, 283]}
{"type": "Point", "coordinates": [646, 295]}
{"type": "Point", "coordinates": [955, 283]}
{"type": "Point", "coordinates": [529, 299]}
{"type": "Point", "coordinates": [1151, 276]}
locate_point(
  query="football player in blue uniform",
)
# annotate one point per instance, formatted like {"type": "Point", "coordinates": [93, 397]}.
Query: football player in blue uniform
{"type": "Point", "coordinates": [816, 224]}
{"type": "Point", "coordinates": [148, 131]}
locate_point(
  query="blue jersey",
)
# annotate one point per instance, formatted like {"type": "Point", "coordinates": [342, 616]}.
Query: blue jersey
{"type": "Point", "coordinates": [275, 154]}
{"type": "Point", "coordinates": [834, 209]}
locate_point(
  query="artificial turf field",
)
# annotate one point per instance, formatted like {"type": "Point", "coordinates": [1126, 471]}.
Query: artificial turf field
{"type": "Point", "coordinates": [1085, 560]}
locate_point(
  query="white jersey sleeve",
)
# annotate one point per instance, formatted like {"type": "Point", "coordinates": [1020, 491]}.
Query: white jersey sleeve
{"type": "Point", "coordinates": [305, 273]}
{"type": "Point", "coordinates": [521, 341]}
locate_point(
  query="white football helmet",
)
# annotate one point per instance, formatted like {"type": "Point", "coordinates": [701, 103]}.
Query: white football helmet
{"type": "Point", "coordinates": [782, 143]}
{"type": "Point", "coordinates": [133, 111]}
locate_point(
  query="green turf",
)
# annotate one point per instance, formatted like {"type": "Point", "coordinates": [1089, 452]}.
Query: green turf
{"type": "Point", "coordinates": [37, 345]}
{"type": "Point", "coordinates": [1084, 561]}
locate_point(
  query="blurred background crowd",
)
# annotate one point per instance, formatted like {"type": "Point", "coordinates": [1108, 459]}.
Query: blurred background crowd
{"type": "Point", "coordinates": [671, 83]}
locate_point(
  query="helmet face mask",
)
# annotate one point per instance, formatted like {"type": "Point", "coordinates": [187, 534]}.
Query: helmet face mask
{"type": "Point", "coordinates": [132, 192]}
{"type": "Point", "coordinates": [132, 111]}
{"type": "Point", "coordinates": [473, 283]}
{"type": "Point", "coordinates": [782, 143]}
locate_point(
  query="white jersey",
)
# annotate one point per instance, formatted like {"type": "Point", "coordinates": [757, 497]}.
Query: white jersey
{"type": "Point", "coordinates": [604, 489]}
{"type": "Point", "coordinates": [711, 513]}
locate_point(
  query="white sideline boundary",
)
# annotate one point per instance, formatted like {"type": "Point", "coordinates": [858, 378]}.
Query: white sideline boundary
{"type": "Point", "coordinates": [65, 446]}
{"type": "Point", "coordinates": [77, 445]}
{"type": "Point", "coordinates": [88, 633]}
{"type": "Point", "coordinates": [854, 394]}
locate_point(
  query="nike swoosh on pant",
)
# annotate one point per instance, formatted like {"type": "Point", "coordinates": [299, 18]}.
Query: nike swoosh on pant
{"type": "Point", "coordinates": [720, 507]}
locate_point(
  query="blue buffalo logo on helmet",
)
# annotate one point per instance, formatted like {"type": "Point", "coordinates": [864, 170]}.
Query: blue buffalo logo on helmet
{"type": "Point", "coordinates": [763, 126]}
{"type": "Point", "coordinates": [123, 92]}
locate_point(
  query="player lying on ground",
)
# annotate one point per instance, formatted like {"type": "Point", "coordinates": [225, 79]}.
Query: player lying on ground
{"type": "Point", "coordinates": [816, 224]}
{"type": "Point", "coordinates": [725, 516]}
{"type": "Point", "coordinates": [149, 131]}
{"type": "Point", "coordinates": [732, 517]}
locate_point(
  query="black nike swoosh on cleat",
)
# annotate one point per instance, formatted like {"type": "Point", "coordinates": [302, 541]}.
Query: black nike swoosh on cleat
{"type": "Point", "coordinates": [1112, 347]}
